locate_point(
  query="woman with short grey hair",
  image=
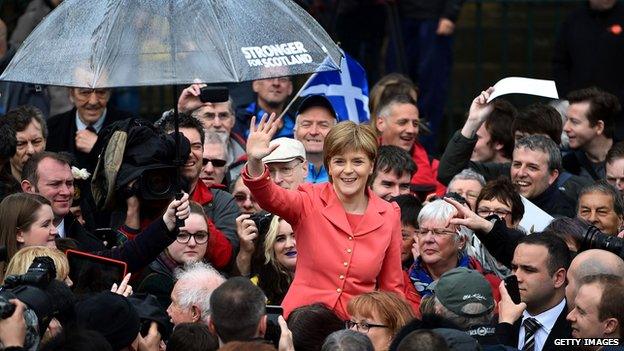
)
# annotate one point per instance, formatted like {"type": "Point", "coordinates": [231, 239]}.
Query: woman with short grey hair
{"type": "Point", "coordinates": [442, 247]}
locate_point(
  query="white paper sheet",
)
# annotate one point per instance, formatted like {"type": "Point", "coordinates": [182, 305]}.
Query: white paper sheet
{"type": "Point", "coordinates": [535, 219]}
{"type": "Point", "coordinates": [530, 86]}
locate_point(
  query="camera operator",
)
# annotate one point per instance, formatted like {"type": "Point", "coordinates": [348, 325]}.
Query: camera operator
{"type": "Point", "coordinates": [48, 303]}
{"type": "Point", "coordinates": [219, 205]}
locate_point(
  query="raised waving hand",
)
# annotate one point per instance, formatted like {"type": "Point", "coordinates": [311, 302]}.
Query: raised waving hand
{"type": "Point", "coordinates": [258, 142]}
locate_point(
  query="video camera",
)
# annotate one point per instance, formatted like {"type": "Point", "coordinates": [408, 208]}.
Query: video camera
{"type": "Point", "coordinates": [154, 184]}
{"type": "Point", "coordinates": [29, 289]}
{"type": "Point", "coordinates": [595, 239]}
{"type": "Point", "coordinates": [137, 158]}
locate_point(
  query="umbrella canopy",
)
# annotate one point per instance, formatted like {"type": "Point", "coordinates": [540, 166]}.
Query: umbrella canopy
{"type": "Point", "coordinates": [116, 43]}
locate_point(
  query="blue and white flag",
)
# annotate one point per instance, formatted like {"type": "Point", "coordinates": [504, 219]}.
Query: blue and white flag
{"type": "Point", "coordinates": [347, 90]}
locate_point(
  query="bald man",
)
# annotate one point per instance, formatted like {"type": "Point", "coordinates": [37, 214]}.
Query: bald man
{"type": "Point", "coordinates": [588, 263]}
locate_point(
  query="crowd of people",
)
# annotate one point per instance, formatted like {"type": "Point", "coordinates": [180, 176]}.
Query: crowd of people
{"type": "Point", "coordinates": [245, 227]}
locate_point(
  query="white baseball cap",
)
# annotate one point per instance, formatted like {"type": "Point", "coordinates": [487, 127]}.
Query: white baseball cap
{"type": "Point", "coordinates": [288, 150]}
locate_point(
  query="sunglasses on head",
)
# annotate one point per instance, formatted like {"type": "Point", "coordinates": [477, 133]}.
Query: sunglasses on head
{"type": "Point", "coordinates": [215, 162]}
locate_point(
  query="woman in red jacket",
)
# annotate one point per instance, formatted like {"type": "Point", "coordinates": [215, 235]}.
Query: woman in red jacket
{"type": "Point", "coordinates": [348, 239]}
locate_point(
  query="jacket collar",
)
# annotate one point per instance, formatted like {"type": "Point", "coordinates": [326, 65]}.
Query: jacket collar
{"type": "Point", "coordinates": [335, 213]}
{"type": "Point", "coordinates": [201, 194]}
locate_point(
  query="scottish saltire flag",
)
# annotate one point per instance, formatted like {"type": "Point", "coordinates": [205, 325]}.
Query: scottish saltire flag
{"type": "Point", "coordinates": [347, 90]}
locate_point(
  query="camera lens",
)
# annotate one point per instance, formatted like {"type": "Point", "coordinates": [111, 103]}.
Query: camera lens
{"type": "Point", "coordinates": [159, 183]}
{"type": "Point", "coordinates": [595, 239]}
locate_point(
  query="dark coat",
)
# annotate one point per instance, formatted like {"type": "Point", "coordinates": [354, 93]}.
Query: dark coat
{"type": "Point", "coordinates": [157, 279]}
{"type": "Point", "coordinates": [508, 334]}
{"type": "Point", "coordinates": [86, 241]}
{"type": "Point", "coordinates": [501, 242]}
{"type": "Point", "coordinates": [588, 51]}
{"type": "Point", "coordinates": [137, 253]}
{"type": "Point", "coordinates": [145, 247]}
{"type": "Point", "coordinates": [62, 134]}
{"type": "Point", "coordinates": [576, 162]}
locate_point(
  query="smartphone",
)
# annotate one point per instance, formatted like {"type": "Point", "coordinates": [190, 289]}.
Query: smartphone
{"type": "Point", "coordinates": [511, 284]}
{"type": "Point", "coordinates": [91, 273]}
{"type": "Point", "coordinates": [273, 330]}
{"type": "Point", "coordinates": [214, 94]}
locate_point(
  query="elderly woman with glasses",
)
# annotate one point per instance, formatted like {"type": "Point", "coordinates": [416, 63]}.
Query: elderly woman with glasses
{"type": "Point", "coordinates": [348, 239]}
{"type": "Point", "coordinates": [442, 247]}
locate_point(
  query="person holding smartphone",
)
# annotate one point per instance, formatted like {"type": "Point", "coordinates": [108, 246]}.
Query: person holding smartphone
{"type": "Point", "coordinates": [348, 239]}
{"type": "Point", "coordinates": [268, 254]}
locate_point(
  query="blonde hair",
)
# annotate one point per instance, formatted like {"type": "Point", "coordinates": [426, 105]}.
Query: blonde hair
{"type": "Point", "coordinates": [393, 310]}
{"type": "Point", "coordinates": [269, 241]}
{"type": "Point", "coordinates": [24, 257]}
{"type": "Point", "coordinates": [349, 136]}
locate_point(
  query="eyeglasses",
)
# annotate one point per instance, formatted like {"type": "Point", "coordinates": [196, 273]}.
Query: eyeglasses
{"type": "Point", "coordinates": [500, 212]}
{"type": "Point", "coordinates": [286, 171]}
{"type": "Point", "coordinates": [201, 237]}
{"type": "Point", "coordinates": [363, 327]}
{"type": "Point", "coordinates": [216, 162]}
{"type": "Point", "coordinates": [222, 116]}
{"type": "Point", "coordinates": [437, 232]}
{"type": "Point", "coordinates": [242, 197]}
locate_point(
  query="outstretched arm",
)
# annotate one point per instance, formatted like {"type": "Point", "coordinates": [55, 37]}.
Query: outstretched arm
{"type": "Point", "coordinates": [499, 240]}
{"type": "Point", "coordinates": [479, 110]}
{"type": "Point", "coordinates": [457, 154]}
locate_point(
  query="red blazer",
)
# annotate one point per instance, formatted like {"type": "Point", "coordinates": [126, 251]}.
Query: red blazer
{"type": "Point", "coordinates": [334, 263]}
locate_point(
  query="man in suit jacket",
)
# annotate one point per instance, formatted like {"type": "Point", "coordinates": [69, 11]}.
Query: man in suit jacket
{"type": "Point", "coordinates": [540, 262]}
{"type": "Point", "coordinates": [76, 131]}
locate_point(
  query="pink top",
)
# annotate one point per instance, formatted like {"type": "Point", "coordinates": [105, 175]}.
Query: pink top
{"type": "Point", "coordinates": [354, 220]}
{"type": "Point", "coordinates": [334, 262]}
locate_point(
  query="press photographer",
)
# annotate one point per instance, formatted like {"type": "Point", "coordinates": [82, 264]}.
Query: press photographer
{"type": "Point", "coordinates": [28, 303]}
